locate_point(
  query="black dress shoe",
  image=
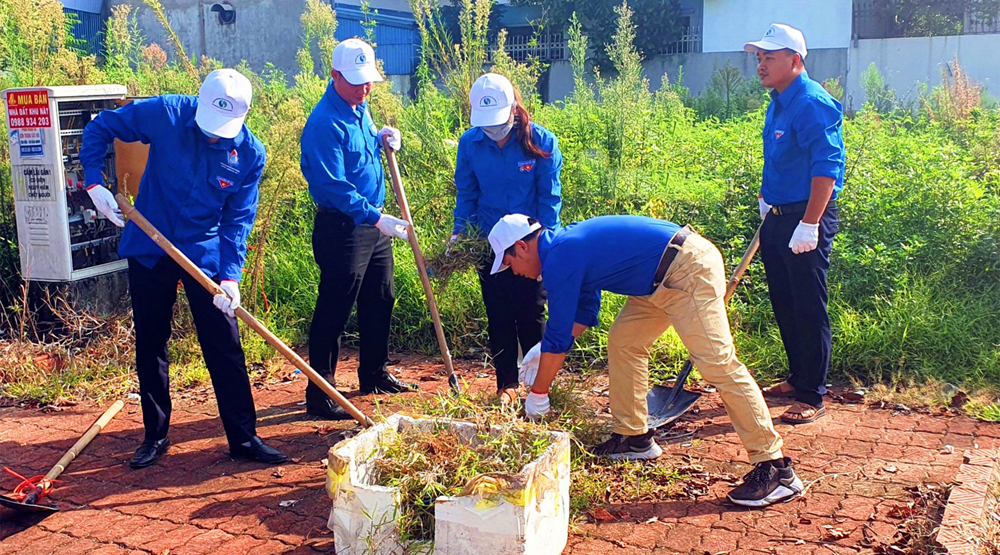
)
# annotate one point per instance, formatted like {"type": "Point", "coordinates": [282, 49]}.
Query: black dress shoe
{"type": "Point", "coordinates": [327, 409]}
{"type": "Point", "coordinates": [148, 452]}
{"type": "Point", "coordinates": [387, 383]}
{"type": "Point", "coordinates": [257, 450]}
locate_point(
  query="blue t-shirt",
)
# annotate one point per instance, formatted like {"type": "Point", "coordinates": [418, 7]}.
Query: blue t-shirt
{"type": "Point", "coordinates": [803, 138]}
{"type": "Point", "coordinates": [201, 196]}
{"type": "Point", "coordinates": [492, 182]}
{"type": "Point", "coordinates": [608, 253]}
{"type": "Point", "coordinates": [341, 158]}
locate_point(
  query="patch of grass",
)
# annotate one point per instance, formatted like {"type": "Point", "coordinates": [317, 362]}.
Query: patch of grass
{"type": "Point", "coordinates": [593, 481]}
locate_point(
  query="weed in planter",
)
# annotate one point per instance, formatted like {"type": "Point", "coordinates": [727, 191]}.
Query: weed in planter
{"type": "Point", "coordinates": [425, 465]}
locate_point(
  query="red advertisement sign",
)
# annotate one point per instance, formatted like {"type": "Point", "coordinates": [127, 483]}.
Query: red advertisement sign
{"type": "Point", "coordinates": [28, 109]}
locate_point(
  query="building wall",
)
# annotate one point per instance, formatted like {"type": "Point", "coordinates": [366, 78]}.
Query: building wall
{"type": "Point", "coordinates": [907, 61]}
{"type": "Point", "coordinates": [265, 30]}
{"type": "Point", "coordinates": [822, 64]}
{"type": "Point", "coordinates": [728, 24]}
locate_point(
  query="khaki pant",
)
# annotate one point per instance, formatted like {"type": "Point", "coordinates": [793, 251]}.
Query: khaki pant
{"type": "Point", "coordinates": [691, 298]}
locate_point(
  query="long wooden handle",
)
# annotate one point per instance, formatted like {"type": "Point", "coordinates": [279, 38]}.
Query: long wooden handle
{"type": "Point", "coordinates": [404, 207]}
{"type": "Point", "coordinates": [206, 282]}
{"type": "Point", "coordinates": [85, 440]}
{"type": "Point", "coordinates": [744, 263]}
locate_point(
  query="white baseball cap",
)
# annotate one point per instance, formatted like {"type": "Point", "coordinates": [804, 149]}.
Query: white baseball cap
{"type": "Point", "coordinates": [778, 37]}
{"type": "Point", "coordinates": [492, 99]}
{"type": "Point", "coordinates": [355, 60]}
{"type": "Point", "coordinates": [509, 230]}
{"type": "Point", "coordinates": [223, 103]}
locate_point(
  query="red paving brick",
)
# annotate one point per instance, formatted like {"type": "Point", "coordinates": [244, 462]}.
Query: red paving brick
{"type": "Point", "coordinates": [196, 500]}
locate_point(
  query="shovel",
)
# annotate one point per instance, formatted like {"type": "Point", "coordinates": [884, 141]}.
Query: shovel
{"type": "Point", "coordinates": [404, 207]}
{"type": "Point", "coordinates": [667, 404]}
{"type": "Point", "coordinates": [28, 495]}
{"type": "Point", "coordinates": [241, 313]}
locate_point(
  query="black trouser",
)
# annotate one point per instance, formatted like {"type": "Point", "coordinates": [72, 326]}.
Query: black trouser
{"type": "Point", "coordinates": [154, 292]}
{"type": "Point", "coordinates": [797, 286]}
{"type": "Point", "coordinates": [515, 314]}
{"type": "Point", "coordinates": [355, 265]}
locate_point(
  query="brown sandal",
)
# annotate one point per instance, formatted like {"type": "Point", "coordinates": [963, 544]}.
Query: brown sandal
{"type": "Point", "coordinates": [507, 396]}
{"type": "Point", "coordinates": [780, 390]}
{"type": "Point", "coordinates": [802, 410]}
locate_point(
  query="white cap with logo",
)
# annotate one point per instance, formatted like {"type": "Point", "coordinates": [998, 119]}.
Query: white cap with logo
{"type": "Point", "coordinates": [223, 103]}
{"type": "Point", "coordinates": [492, 99]}
{"type": "Point", "coordinates": [509, 230]}
{"type": "Point", "coordinates": [779, 37]}
{"type": "Point", "coordinates": [355, 60]}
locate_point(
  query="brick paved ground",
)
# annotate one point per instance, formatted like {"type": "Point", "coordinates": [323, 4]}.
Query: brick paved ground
{"type": "Point", "coordinates": [196, 500]}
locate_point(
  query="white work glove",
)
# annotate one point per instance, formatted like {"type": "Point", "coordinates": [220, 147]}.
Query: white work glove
{"type": "Point", "coordinates": [450, 244]}
{"type": "Point", "coordinates": [106, 204]}
{"type": "Point", "coordinates": [393, 227]}
{"type": "Point", "coordinates": [804, 238]}
{"type": "Point", "coordinates": [229, 300]}
{"type": "Point", "coordinates": [536, 405]}
{"type": "Point", "coordinates": [763, 206]}
{"type": "Point", "coordinates": [395, 139]}
{"type": "Point", "coordinates": [529, 365]}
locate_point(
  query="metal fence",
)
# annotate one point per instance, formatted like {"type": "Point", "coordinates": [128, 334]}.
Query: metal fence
{"type": "Point", "coordinates": [688, 42]}
{"type": "Point", "coordinates": [546, 48]}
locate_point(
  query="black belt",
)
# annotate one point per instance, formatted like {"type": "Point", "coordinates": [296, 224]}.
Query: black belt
{"type": "Point", "coordinates": [669, 254]}
{"type": "Point", "coordinates": [327, 210]}
{"type": "Point", "coordinates": [797, 207]}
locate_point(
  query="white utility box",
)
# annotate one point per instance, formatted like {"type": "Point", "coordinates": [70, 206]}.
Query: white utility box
{"type": "Point", "coordinates": [61, 237]}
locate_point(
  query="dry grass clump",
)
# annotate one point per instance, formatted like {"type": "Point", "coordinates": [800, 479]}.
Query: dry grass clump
{"type": "Point", "coordinates": [425, 465]}
{"type": "Point", "coordinates": [468, 252]}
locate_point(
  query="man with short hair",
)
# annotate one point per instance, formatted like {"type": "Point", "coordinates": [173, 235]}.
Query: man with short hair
{"type": "Point", "coordinates": [351, 235]}
{"type": "Point", "coordinates": [672, 276]}
{"type": "Point", "coordinates": [200, 190]}
{"type": "Point", "coordinates": [803, 174]}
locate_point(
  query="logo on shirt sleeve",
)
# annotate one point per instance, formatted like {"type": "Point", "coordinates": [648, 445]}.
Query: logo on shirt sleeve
{"type": "Point", "coordinates": [526, 166]}
{"type": "Point", "coordinates": [778, 134]}
{"type": "Point", "coordinates": [234, 158]}
{"type": "Point", "coordinates": [224, 183]}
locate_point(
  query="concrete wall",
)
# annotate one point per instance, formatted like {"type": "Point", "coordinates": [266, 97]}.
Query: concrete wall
{"type": "Point", "coordinates": [699, 68]}
{"type": "Point", "coordinates": [907, 61]}
{"type": "Point", "coordinates": [265, 30]}
{"type": "Point", "coordinates": [728, 24]}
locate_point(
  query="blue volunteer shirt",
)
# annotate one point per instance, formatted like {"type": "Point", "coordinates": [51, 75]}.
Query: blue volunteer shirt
{"type": "Point", "coordinates": [201, 196]}
{"type": "Point", "coordinates": [340, 158]}
{"type": "Point", "coordinates": [492, 182]}
{"type": "Point", "coordinates": [608, 253]}
{"type": "Point", "coordinates": [803, 138]}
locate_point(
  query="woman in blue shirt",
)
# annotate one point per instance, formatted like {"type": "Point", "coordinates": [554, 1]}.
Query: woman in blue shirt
{"type": "Point", "coordinates": [506, 165]}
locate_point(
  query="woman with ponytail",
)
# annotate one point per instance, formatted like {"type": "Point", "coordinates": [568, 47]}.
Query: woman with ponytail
{"type": "Point", "coordinates": [506, 165]}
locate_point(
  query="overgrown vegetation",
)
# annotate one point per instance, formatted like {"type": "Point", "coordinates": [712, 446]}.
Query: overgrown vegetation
{"type": "Point", "coordinates": [915, 279]}
{"type": "Point", "coordinates": [425, 465]}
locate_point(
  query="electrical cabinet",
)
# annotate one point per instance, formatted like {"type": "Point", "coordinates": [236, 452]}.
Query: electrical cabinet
{"type": "Point", "coordinates": [61, 237]}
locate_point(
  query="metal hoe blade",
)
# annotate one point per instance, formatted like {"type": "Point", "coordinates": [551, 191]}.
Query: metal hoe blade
{"type": "Point", "coordinates": [25, 506]}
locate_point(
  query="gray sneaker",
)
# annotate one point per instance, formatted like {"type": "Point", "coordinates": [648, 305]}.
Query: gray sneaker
{"type": "Point", "coordinates": [629, 447]}
{"type": "Point", "coordinates": [767, 484]}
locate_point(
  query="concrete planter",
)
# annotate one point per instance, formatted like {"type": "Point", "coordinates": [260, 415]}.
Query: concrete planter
{"type": "Point", "coordinates": [527, 514]}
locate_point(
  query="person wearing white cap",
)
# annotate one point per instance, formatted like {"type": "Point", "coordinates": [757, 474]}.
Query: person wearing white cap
{"type": "Point", "coordinates": [200, 189]}
{"type": "Point", "coordinates": [803, 174]}
{"type": "Point", "coordinates": [506, 164]}
{"type": "Point", "coordinates": [673, 277]}
{"type": "Point", "coordinates": [352, 236]}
